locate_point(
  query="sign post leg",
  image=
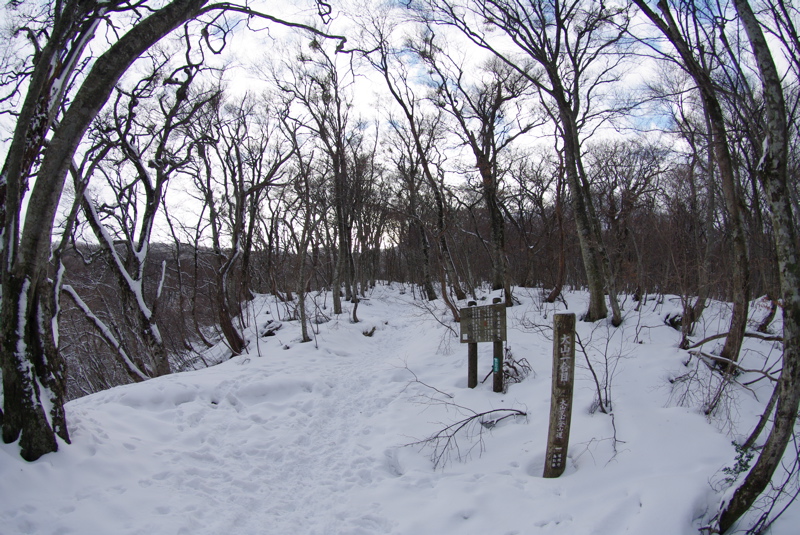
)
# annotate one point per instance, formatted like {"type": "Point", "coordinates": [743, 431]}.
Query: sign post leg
{"type": "Point", "coordinates": [472, 363]}
{"type": "Point", "coordinates": [497, 366]}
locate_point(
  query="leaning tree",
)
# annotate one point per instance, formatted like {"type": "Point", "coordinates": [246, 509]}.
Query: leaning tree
{"type": "Point", "coordinates": [66, 89]}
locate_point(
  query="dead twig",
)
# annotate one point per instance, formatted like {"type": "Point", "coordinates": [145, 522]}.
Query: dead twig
{"type": "Point", "coordinates": [747, 335]}
{"type": "Point", "coordinates": [416, 380]}
{"type": "Point", "coordinates": [514, 371]}
{"type": "Point", "coordinates": [732, 363]}
{"type": "Point", "coordinates": [445, 441]}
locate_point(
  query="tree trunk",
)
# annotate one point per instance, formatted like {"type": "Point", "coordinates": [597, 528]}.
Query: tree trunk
{"type": "Point", "coordinates": [498, 231]}
{"type": "Point", "coordinates": [716, 120]}
{"type": "Point", "coordinates": [26, 387]}
{"type": "Point", "coordinates": [224, 314]}
{"type": "Point", "coordinates": [601, 254]}
{"type": "Point", "coordinates": [427, 279]}
{"type": "Point", "coordinates": [301, 297]}
{"type": "Point", "coordinates": [229, 330]}
{"type": "Point", "coordinates": [763, 327]}
{"type": "Point", "coordinates": [416, 226]}
{"type": "Point", "coordinates": [339, 277]}
{"type": "Point", "coordinates": [774, 179]}
{"type": "Point", "coordinates": [695, 310]}
{"type": "Point", "coordinates": [23, 350]}
{"type": "Point", "coordinates": [27, 331]}
{"type": "Point", "coordinates": [692, 310]}
{"type": "Point", "coordinates": [336, 282]}
{"type": "Point", "coordinates": [562, 253]}
{"type": "Point", "coordinates": [586, 238]}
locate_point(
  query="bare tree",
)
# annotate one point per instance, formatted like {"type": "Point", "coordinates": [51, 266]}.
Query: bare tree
{"type": "Point", "coordinates": [533, 203]}
{"type": "Point", "coordinates": [387, 58]}
{"type": "Point", "coordinates": [370, 211]}
{"type": "Point", "coordinates": [625, 178]}
{"type": "Point", "coordinates": [33, 370]}
{"type": "Point", "coordinates": [138, 169]}
{"type": "Point", "coordinates": [774, 178]}
{"type": "Point", "coordinates": [490, 115]}
{"type": "Point", "coordinates": [566, 52]}
{"type": "Point", "coordinates": [681, 31]}
{"type": "Point", "coordinates": [303, 214]}
{"type": "Point", "coordinates": [322, 87]}
{"type": "Point", "coordinates": [690, 194]}
{"type": "Point", "coordinates": [406, 159]}
{"type": "Point", "coordinates": [242, 152]}
{"type": "Point", "coordinates": [29, 350]}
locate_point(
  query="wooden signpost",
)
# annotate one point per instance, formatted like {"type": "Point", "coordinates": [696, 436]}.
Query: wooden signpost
{"type": "Point", "coordinates": [484, 324]}
{"type": "Point", "coordinates": [561, 401]}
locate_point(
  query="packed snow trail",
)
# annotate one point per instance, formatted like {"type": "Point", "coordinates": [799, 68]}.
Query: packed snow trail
{"type": "Point", "coordinates": [273, 450]}
{"type": "Point", "coordinates": [270, 444]}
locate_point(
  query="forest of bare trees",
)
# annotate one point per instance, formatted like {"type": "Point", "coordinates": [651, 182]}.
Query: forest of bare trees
{"type": "Point", "coordinates": [147, 193]}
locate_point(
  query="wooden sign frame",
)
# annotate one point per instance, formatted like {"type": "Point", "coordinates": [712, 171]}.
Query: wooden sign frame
{"type": "Point", "coordinates": [484, 324]}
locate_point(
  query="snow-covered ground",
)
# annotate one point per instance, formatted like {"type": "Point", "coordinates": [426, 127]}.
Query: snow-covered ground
{"type": "Point", "coordinates": [316, 438]}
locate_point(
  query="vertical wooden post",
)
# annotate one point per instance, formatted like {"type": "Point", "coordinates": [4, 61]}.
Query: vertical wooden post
{"type": "Point", "coordinates": [561, 400]}
{"type": "Point", "coordinates": [497, 362]}
{"type": "Point", "coordinates": [497, 367]}
{"type": "Point", "coordinates": [472, 359]}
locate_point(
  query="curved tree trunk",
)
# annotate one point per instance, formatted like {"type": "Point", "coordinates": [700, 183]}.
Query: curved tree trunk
{"type": "Point", "coordinates": [22, 346]}
{"type": "Point", "coordinates": [27, 322]}
{"type": "Point", "coordinates": [224, 314]}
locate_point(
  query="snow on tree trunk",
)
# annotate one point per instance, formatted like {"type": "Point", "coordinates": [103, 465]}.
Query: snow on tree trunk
{"type": "Point", "coordinates": [773, 175]}
{"type": "Point", "coordinates": [32, 367]}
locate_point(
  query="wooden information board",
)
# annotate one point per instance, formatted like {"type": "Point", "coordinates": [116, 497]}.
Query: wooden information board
{"type": "Point", "coordinates": [483, 324]}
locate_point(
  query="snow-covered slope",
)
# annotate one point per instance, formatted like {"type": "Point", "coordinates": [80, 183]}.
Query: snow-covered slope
{"type": "Point", "coordinates": [314, 438]}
